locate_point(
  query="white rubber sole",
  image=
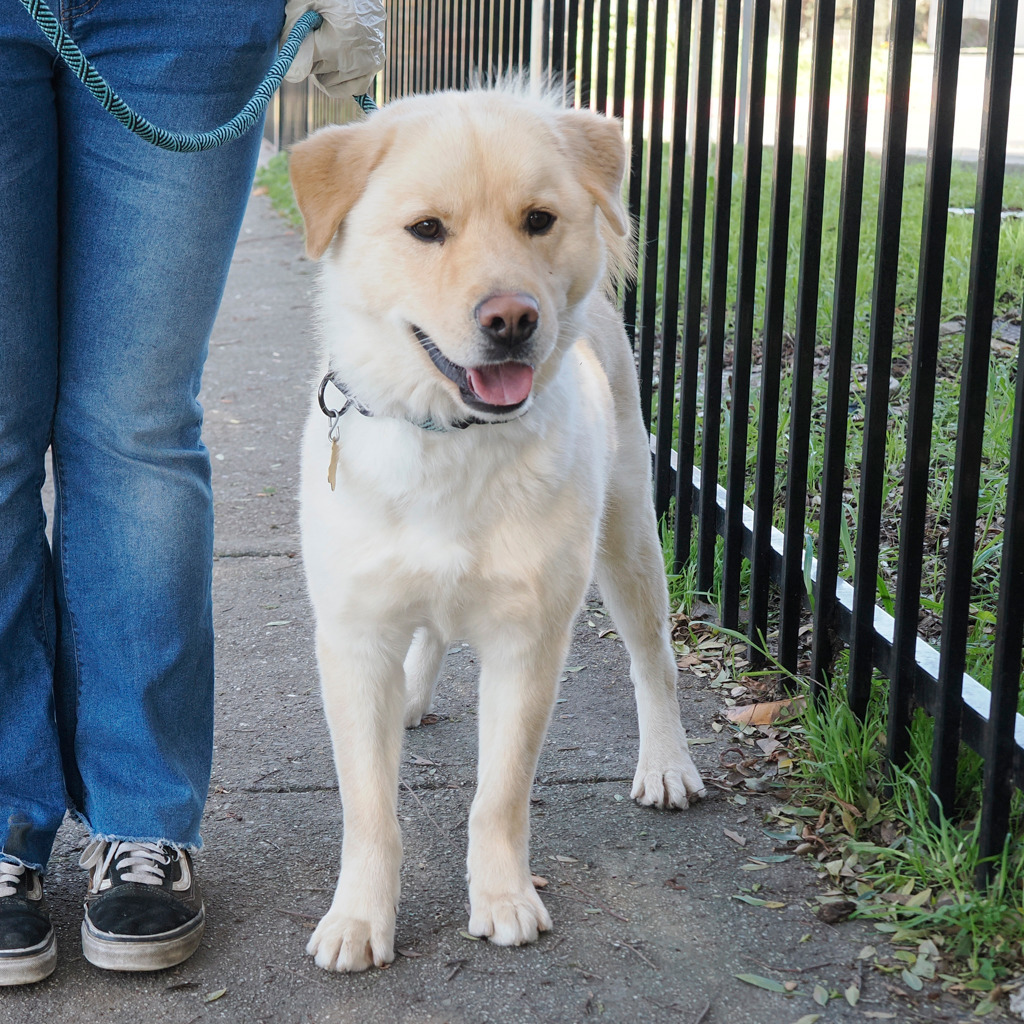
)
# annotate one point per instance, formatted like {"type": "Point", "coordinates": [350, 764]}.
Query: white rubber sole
{"type": "Point", "coordinates": [32, 966]}
{"type": "Point", "coordinates": [149, 953]}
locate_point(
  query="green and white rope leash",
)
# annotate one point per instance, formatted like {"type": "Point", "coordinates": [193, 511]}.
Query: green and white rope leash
{"type": "Point", "coordinates": [178, 142]}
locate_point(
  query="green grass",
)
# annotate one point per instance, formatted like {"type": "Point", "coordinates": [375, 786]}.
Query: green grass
{"type": "Point", "coordinates": [919, 884]}
{"type": "Point", "coordinates": [273, 176]}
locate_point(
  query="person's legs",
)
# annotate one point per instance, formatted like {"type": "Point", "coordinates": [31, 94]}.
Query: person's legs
{"type": "Point", "coordinates": [32, 796]}
{"type": "Point", "coordinates": [112, 263]}
{"type": "Point", "coordinates": [146, 239]}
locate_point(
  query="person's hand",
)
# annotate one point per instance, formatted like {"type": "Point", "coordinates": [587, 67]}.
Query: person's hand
{"type": "Point", "coordinates": [346, 51]}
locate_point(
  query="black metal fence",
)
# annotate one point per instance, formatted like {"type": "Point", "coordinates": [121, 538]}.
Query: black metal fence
{"type": "Point", "coordinates": [722, 356]}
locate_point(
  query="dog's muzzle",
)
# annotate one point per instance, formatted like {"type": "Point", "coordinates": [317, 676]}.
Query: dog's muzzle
{"type": "Point", "coordinates": [498, 387]}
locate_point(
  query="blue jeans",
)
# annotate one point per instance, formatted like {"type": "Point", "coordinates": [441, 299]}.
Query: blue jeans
{"type": "Point", "coordinates": [113, 258]}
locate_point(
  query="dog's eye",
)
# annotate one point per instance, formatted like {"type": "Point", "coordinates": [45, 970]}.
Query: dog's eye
{"type": "Point", "coordinates": [428, 230]}
{"type": "Point", "coordinates": [538, 222]}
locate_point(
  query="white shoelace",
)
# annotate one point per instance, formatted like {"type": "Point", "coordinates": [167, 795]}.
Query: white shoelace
{"type": "Point", "coordinates": [136, 862]}
{"type": "Point", "coordinates": [10, 876]}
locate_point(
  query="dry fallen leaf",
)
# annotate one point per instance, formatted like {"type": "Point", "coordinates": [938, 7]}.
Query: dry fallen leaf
{"type": "Point", "coordinates": [833, 913]}
{"type": "Point", "coordinates": [766, 712]}
{"type": "Point", "coordinates": [735, 836]}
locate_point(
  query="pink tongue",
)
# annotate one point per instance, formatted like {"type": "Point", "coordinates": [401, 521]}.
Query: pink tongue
{"type": "Point", "coordinates": [501, 384]}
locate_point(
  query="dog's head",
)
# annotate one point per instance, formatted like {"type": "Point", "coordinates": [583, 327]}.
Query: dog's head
{"type": "Point", "coordinates": [461, 232]}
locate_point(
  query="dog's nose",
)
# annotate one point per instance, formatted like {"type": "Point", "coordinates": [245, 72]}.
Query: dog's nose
{"type": "Point", "coordinates": [509, 318]}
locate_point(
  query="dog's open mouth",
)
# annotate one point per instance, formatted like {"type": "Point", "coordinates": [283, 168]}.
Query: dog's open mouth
{"type": "Point", "coordinates": [493, 387]}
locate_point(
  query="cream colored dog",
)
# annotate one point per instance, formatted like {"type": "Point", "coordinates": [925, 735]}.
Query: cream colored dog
{"type": "Point", "coordinates": [492, 459]}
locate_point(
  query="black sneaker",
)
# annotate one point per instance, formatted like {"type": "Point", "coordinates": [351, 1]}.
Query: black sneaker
{"type": "Point", "coordinates": [143, 910]}
{"type": "Point", "coordinates": [28, 950]}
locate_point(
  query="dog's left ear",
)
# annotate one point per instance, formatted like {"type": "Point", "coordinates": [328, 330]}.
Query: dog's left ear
{"type": "Point", "coordinates": [329, 171]}
{"type": "Point", "coordinates": [596, 146]}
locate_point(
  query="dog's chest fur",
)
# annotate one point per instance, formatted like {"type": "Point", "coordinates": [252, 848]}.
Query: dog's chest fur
{"type": "Point", "coordinates": [462, 520]}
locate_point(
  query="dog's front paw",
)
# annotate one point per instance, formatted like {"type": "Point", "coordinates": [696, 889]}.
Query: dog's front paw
{"type": "Point", "coordinates": [674, 782]}
{"type": "Point", "coordinates": [508, 918]}
{"type": "Point", "coordinates": [346, 942]}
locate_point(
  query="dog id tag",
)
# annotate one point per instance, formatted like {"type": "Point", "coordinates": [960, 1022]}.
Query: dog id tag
{"type": "Point", "coordinates": [333, 467]}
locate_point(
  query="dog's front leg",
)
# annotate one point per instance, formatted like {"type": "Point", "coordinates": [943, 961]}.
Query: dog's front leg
{"type": "Point", "coordinates": [517, 692]}
{"type": "Point", "coordinates": [363, 695]}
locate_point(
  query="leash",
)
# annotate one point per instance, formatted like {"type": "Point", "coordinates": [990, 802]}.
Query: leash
{"type": "Point", "coordinates": [177, 142]}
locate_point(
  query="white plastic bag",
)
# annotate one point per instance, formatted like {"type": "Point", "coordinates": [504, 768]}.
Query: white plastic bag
{"type": "Point", "coordinates": [346, 51]}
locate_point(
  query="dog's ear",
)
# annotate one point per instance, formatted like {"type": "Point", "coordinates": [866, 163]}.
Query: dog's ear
{"type": "Point", "coordinates": [329, 171]}
{"type": "Point", "coordinates": [596, 147]}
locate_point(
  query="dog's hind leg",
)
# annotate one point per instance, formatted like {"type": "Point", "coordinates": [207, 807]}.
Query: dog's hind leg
{"type": "Point", "coordinates": [422, 667]}
{"type": "Point", "coordinates": [362, 681]}
{"type": "Point", "coordinates": [518, 684]}
{"type": "Point", "coordinates": [631, 576]}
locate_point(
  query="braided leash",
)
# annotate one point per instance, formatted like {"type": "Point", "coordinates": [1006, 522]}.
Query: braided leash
{"type": "Point", "coordinates": [178, 142]}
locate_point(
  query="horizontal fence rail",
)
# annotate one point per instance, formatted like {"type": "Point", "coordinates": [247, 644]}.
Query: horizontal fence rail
{"type": "Point", "coordinates": [774, 480]}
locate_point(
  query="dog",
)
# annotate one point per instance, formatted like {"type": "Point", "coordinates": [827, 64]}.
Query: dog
{"type": "Point", "coordinates": [482, 457]}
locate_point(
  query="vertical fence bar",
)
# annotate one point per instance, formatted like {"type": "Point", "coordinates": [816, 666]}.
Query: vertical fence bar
{"type": "Point", "coordinates": [793, 587]}
{"type": "Point", "coordinates": [999, 745]}
{"type": "Point", "coordinates": [619, 83]}
{"type": "Point", "coordinates": [408, 41]}
{"type": "Point", "coordinates": [883, 306]}
{"type": "Point", "coordinates": [436, 44]}
{"type": "Point", "coordinates": [545, 38]}
{"type": "Point", "coordinates": [455, 35]}
{"type": "Point", "coordinates": [515, 35]}
{"type": "Point", "coordinates": [739, 413]}
{"type": "Point", "coordinates": [471, 56]}
{"type": "Point", "coordinates": [650, 187]}
{"type": "Point", "coordinates": [771, 343]}
{"type": "Point", "coordinates": [430, 50]}
{"type": "Point", "coordinates": [572, 23]}
{"type": "Point", "coordinates": [841, 347]}
{"type": "Point", "coordinates": [604, 17]}
{"type": "Point", "coordinates": [717, 285]}
{"type": "Point", "coordinates": [396, 62]}
{"type": "Point", "coordinates": [973, 392]}
{"type": "Point", "coordinates": [453, 43]}
{"type": "Point", "coordinates": [586, 72]}
{"type": "Point", "coordinates": [922, 383]}
{"type": "Point", "coordinates": [673, 251]}
{"type": "Point", "coordinates": [635, 193]}
{"type": "Point", "coordinates": [694, 295]}
{"type": "Point", "coordinates": [419, 48]}
{"type": "Point", "coordinates": [557, 53]}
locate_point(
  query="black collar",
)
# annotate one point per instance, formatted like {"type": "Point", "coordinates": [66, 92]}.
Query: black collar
{"type": "Point", "coordinates": [351, 402]}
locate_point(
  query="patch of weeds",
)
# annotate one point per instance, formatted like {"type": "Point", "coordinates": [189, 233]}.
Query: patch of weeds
{"type": "Point", "coordinates": [273, 177]}
{"type": "Point", "coordinates": [684, 594]}
{"type": "Point", "coordinates": [914, 877]}
{"type": "Point", "coordinates": [868, 826]}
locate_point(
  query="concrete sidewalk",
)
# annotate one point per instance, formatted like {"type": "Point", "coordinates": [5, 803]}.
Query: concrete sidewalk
{"type": "Point", "coordinates": [646, 926]}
